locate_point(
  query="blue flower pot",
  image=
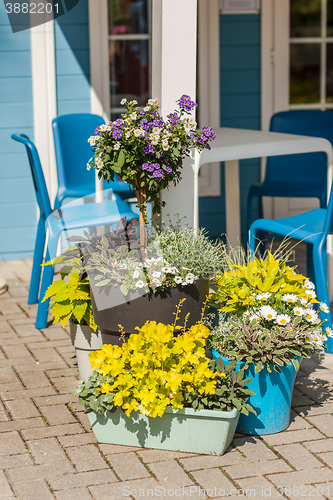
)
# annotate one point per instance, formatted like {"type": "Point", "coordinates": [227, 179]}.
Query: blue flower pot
{"type": "Point", "coordinates": [271, 401]}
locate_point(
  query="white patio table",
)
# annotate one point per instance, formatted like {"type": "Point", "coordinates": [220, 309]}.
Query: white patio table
{"type": "Point", "coordinates": [232, 145]}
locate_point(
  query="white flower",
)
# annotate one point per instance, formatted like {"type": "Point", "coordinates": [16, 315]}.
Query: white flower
{"type": "Point", "coordinates": [283, 319]}
{"type": "Point", "coordinates": [193, 123]}
{"type": "Point", "coordinates": [186, 268]}
{"type": "Point", "coordinates": [324, 307]}
{"type": "Point", "coordinates": [146, 109]}
{"type": "Point", "coordinates": [92, 140]}
{"type": "Point", "coordinates": [189, 278]}
{"type": "Point", "coordinates": [309, 285]}
{"type": "Point", "coordinates": [156, 274]}
{"type": "Point", "coordinates": [155, 140]}
{"type": "Point", "coordinates": [137, 132]}
{"type": "Point", "coordinates": [289, 297]}
{"type": "Point", "coordinates": [298, 311]}
{"type": "Point", "coordinates": [88, 166]}
{"type": "Point", "coordinates": [116, 146]}
{"type": "Point", "coordinates": [329, 332]}
{"type": "Point", "coordinates": [316, 339]}
{"type": "Point", "coordinates": [304, 302]}
{"type": "Point", "coordinates": [122, 102]}
{"type": "Point", "coordinates": [151, 102]}
{"type": "Point", "coordinates": [165, 147]}
{"type": "Point", "coordinates": [156, 130]}
{"type": "Point", "coordinates": [178, 279]}
{"type": "Point", "coordinates": [175, 139]}
{"type": "Point", "coordinates": [156, 282]}
{"type": "Point", "coordinates": [311, 294]}
{"type": "Point", "coordinates": [310, 315]}
{"type": "Point", "coordinates": [139, 284]}
{"type": "Point", "coordinates": [123, 266]}
{"type": "Point", "coordinates": [133, 116]}
{"type": "Point", "coordinates": [134, 102]}
{"type": "Point", "coordinates": [256, 317]}
{"type": "Point", "coordinates": [166, 269]}
{"type": "Point", "coordinates": [136, 274]}
{"type": "Point", "coordinates": [267, 312]}
{"type": "Point", "coordinates": [263, 296]}
{"type": "Point", "coordinates": [127, 134]}
{"type": "Point", "coordinates": [173, 270]}
{"type": "Point", "coordinates": [308, 338]}
{"type": "Point", "coordinates": [103, 127]}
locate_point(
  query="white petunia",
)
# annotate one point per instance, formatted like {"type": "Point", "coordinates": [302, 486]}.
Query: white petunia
{"type": "Point", "coordinates": [298, 311]}
{"type": "Point", "coordinates": [156, 282]}
{"type": "Point", "coordinates": [140, 284]}
{"type": "Point", "coordinates": [263, 296]}
{"type": "Point", "coordinates": [152, 101]}
{"type": "Point", "coordinates": [178, 279]}
{"type": "Point", "coordinates": [289, 297]}
{"type": "Point", "coordinates": [123, 101]}
{"type": "Point", "coordinates": [173, 270]}
{"type": "Point", "coordinates": [310, 315]}
{"type": "Point", "coordinates": [166, 269]}
{"type": "Point", "coordinates": [136, 274]}
{"type": "Point", "coordinates": [134, 102]}
{"type": "Point", "coordinates": [267, 312]}
{"type": "Point", "coordinates": [189, 278]}
{"type": "Point", "coordinates": [283, 319]}
{"type": "Point", "coordinates": [156, 274]}
{"type": "Point", "coordinates": [324, 307]}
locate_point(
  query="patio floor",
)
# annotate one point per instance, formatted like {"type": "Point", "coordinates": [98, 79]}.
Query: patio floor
{"type": "Point", "coordinates": [48, 451]}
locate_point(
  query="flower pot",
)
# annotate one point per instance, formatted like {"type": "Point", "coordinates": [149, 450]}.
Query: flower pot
{"type": "Point", "coordinates": [205, 431]}
{"type": "Point", "coordinates": [111, 308]}
{"type": "Point", "coordinates": [85, 340]}
{"type": "Point", "coordinates": [271, 401]}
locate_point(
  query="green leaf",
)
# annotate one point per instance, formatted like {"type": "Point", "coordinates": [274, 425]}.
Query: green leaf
{"type": "Point", "coordinates": [79, 311]}
{"type": "Point", "coordinates": [121, 160]}
{"type": "Point", "coordinates": [54, 288]}
{"type": "Point", "coordinates": [124, 289]}
{"type": "Point", "coordinates": [295, 363]}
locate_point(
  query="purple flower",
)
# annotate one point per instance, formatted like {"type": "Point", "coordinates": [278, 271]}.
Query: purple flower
{"type": "Point", "coordinates": [158, 122]}
{"type": "Point", "coordinates": [168, 170]}
{"type": "Point", "coordinates": [174, 119]}
{"type": "Point", "coordinates": [117, 133]}
{"type": "Point", "coordinates": [186, 103]}
{"type": "Point", "coordinates": [156, 166]}
{"type": "Point", "coordinates": [149, 149]}
{"type": "Point", "coordinates": [144, 124]}
{"type": "Point", "coordinates": [119, 123]}
{"type": "Point", "coordinates": [148, 166]}
{"type": "Point", "coordinates": [96, 131]}
{"type": "Point", "coordinates": [209, 133]}
{"type": "Point", "coordinates": [158, 173]}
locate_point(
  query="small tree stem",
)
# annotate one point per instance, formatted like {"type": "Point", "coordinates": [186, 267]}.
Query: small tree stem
{"type": "Point", "coordinates": [142, 201]}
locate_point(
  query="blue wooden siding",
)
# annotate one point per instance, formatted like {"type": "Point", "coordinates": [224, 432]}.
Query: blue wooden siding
{"type": "Point", "coordinates": [18, 211]}
{"type": "Point", "coordinates": [72, 60]}
{"type": "Point", "coordinates": [240, 107]}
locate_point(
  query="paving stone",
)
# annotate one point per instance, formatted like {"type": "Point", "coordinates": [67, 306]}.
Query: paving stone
{"type": "Point", "coordinates": [46, 451]}
{"type": "Point", "coordinates": [8, 462]}
{"type": "Point", "coordinates": [56, 334]}
{"type": "Point", "coordinates": [301, 401]}
{"type": "Point", "coordinates": [86, 458]}
{"type": "Point", "coordinates": [128, 466]}
{"type": "Point", "coordinates": [8, 376]}
{"type": "Point", "coordinates": [16, 425]}
{"type": "Point", "coordinates": [5, 327]}
{"type": "Point", "coordinates": [327, 457]}
{"type": "Point", "coordinates": [22, 321]}
{"type": "Point", "coordinates": [168, 473]}
{"type": "Point", "coordinates": [11, 444]}
{"type": "Point", "coordinates": [16, 351]}
{"type": "Point", "coordinates": [18, 341]}
{"type": "Point", "coordinates": [27, 330]}
{"type": "Point", "coordinates": [73, 494]}
{"type": "Point", "coordinates": [315, 391]}
{"type": "Point", "coordinates": [77, 440]}
{"type": "Point", "coordinates": [57, 430]}
{"type": "Point", "coordinates": [5, 489]}
{"type": "Point", "coordinates": [320, 445]}
{"type": "Point", "coordinates": [65, 385]}
{"type": "Point", "coordinates": [46, 471]}
{"type": "Point", "coordinates": [29, 309]}
{"type": "Point", "coordinates": [8, 307]}
{"type": "Point", "coordinates": [298, 456]}
{"type": "Point", "coordinates": [257, 468]}
{"type": "Point", "coordinates": [313, 410]}
{"type": "Point", "coordinates": [297, 422]}
{"type": "Point", "coordinates": [22, 408]}
{"type": "Point", "coordinates": [287, 437]}
{"type": "Point", "coordinates": [63, 345]}
{"type": "Point", "coordinates": [3, 416]}
{"type": "Point", "coordinates": [62, 372]}
{"type": "Point", "coordinates": [258, 487]}
{"type": "Point", "coordinates": [299, 478]}
{"type": "Point", "coordinates": [30, 380]}
{"type": "Point", "coordinates": [39, 367]}
{"type": "Point", "coordinates": [324, 423]}
{"type": "Point", "coordinates": [35, 489]}
{"type": "Point", "coordinates": [117, 491]}
{"type": "Point", "coordinates": [45, 355]}
{"type": "Point", "coordinates": [82, 479]}
{"type": "Point", "coordinates": [84, 421]}
{"type": "Point", "coordinates": [327, 489]}
{"type": "Point", "coordinates": [27, 393]}
{"type": "Point", "coordinates": [209, 461]}
{"type": "Point", "coordinates": [57, 414]}
{"type": "Point", "coordinates": [214, 482]}
{"type": "Point", "coordinates": [55, 399]}
{"type": "Point", "coordinates": [27, 361]}
{"type": "Point", "coordinates": [149, 456]}
{"type": "Point", "coordinates": [254, 449]}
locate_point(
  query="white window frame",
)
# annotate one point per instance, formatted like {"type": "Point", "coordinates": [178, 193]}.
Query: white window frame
{"type": "Point", "coordinates": [209, 87]}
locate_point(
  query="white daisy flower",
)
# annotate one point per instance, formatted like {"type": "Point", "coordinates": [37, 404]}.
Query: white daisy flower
{"type": "Point", "coordinates": [140, 284]}
{"type": "Point", "coordinates": [310, 315]}
{"type": "Point", "coordinates": [316, 339]}
{"type": "Point", "coordinates": [329, 332]}
{"type": "Point", "coordinates": [254, 316]}
{"type": "Point", "coordinates": [263, 296]}
{"type": "Point", "coordinates": [308, 338]}
{"type": "Point", "coordinates": [156, 274]}
{"type": "Point", "coordinates": [283, 319]}
{"type": "Point", "coordinates": [304, 302]}
{"type": "Point", "coordinates": [311, 294]}
{"type": "Point", "coordinates": [309, 285]}
{"type": "Point", "coordinates": [298, 311]}
{"type": "Point", "coordinates": [123, 266]}
{"type": "Point", "coordinates": [267, 312]}
{"type": "Point", "coordinates": [136, 274]}
{"type": "Point", "coordinates": [116, 146]}
{"type": "Point", "coordinates": [122, 102]}
{"type": "Point", "coordinates": [289, 297]}
{"type": "Point", "coordinates": [324, 307]}
{"type": "Point", "coordinates": [247, 313]}
{"type": "Point", "coordinates": [178, 279]}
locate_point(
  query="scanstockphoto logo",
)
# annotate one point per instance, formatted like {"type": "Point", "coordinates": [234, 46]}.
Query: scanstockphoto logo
{"type": "Point", "coordinates": [24, 15]}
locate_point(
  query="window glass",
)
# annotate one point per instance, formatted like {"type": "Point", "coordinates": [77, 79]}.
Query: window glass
{"type": "Point", "coordinates": [329, 75]}
{"type": "Point", "coordinates": [304, 73]}
{"type": "Point", "coordinates": [128, 16]}
{"type": "Point", "coordinates": [329, 17]}
{"type": "Point", "coordinates": [305, 18]}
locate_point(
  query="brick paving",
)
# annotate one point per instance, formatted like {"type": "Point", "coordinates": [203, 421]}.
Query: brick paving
{"type": "Point", "coordinates": [48, 451]}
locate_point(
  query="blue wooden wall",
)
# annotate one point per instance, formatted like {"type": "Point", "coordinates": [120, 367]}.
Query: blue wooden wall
{"type": "Point", "coordinates": [72, 60]}
{"type": "Point", "coordinates": [18, 211]}
{"type": "Point", "coordinates": [240, 107]}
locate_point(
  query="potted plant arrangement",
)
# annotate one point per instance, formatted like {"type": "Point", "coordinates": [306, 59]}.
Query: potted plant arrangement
{"type": "Point", "coordinates": [267, 324]}
{"type": "Point", "coordinates": [71, 301]}
{"type": "Point", "coordinates": [158, 390]}
{"type": "Point", "coordinates": [128, 290]}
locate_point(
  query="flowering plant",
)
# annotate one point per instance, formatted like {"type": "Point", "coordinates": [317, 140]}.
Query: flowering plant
{"type": "Point", "coordinates": [155, 369]}
{"type": "Point", "coordinates": [147, 151]}
{"type": "Point", "coordinates": [267, 314]}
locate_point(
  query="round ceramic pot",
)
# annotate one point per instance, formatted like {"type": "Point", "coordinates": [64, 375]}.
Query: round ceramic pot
{"type": "Point", "coordinates": [85, 340]}
{"type": "Point", "coordinates": [112, 309]}
{"type": "Point", "coordinates": [272, 398]}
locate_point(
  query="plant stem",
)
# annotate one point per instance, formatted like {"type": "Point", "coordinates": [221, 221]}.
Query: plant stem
{"type": "Point", "coordinates": [142, 202]}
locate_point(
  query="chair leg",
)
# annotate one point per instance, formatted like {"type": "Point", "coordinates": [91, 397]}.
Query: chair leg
{"type": "Point", "coordinates": [319, 258]}
{"type": "Point", "coordinates": [37, 262]}
{"type": "Point", "coordinates": [310, 272]}
{"type": "Point", "coordinates": [48, 271]}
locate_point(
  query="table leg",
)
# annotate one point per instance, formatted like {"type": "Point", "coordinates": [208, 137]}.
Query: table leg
{"type": "Point", "coordinates": [232, 202]}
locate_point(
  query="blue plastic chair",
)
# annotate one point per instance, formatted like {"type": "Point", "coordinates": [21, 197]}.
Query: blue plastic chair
{"type": "Point", "coordinates": [72, 151]}
{"type": "Point", "coordinates": [295, 176]}
{"type": "Point", "coordinates": [313, 227]}
{"type": "Point", "coordinates": [53, 222]}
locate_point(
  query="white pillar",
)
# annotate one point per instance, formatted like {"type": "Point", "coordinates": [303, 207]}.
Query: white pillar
{"type": "Point", "coordinates": [174, 46]}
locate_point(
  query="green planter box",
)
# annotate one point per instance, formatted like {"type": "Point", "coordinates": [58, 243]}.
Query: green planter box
{"type": "Point", "coordinates": [206, 431]}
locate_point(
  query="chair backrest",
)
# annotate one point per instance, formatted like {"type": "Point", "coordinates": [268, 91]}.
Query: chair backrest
{"type": "Point", "coordinates": [309, 168]}
{"type": "Point", "coordinates": [72, 150]}
{"type": "Point", "coordinates": [42, 196]}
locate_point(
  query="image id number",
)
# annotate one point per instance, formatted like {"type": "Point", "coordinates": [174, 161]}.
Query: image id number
{"type": "Point", "coordinates": [32, 8]}
{"type": "Point", "coordinates": [303, 491]}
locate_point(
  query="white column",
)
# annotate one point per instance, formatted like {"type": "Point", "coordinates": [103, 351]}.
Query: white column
{"type": "Point", "coordinates": [174, 46]}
